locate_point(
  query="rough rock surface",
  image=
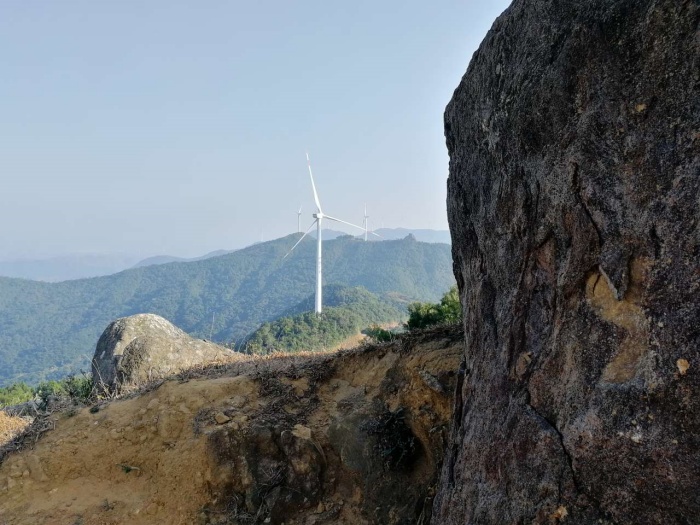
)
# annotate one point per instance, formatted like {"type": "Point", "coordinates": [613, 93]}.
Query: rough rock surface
{"type": "Point", "coordinates": [354, 438]}
{"type": "Point", "coordinates": [573, 201]}
{"type": "Point", "coordinates": [141, 348]}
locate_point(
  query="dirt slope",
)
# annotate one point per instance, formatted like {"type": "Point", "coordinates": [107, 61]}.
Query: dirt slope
{"type": "Point", "coordinates": [354, 437]}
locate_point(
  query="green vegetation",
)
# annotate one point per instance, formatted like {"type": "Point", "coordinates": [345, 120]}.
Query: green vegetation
{"type": "Point", "coordinates": [76, 388]}
{"type": "Point", "coordinates": [379, 334]}
{"type": "Point", "coordinates": [447, 311]}
{"type": "Point", "coordinates": [49, 330]}
{"type": "Point", "coordinates": [347, 311]}
{"type": "Point", "coordinates": [15, 394]}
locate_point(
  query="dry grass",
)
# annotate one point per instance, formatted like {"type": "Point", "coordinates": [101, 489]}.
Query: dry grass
{"type": "Point", "coordinates": [11, 426]}
{"type": "Point", "coordinates": [14, 431]}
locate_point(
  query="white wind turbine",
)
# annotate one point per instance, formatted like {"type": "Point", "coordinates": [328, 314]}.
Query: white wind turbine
{"type": "Point", "coordinates": [365, 225]}
{"type": "Point", "coordinates": [299, 220]}
{"type": "Point", "coordinates": [318, 221]}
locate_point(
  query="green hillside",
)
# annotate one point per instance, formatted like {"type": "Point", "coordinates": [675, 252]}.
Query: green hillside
{"type": "Point", "coordinates": [48, 330]}
{"type": "Point", "coordinates": [346, 312]}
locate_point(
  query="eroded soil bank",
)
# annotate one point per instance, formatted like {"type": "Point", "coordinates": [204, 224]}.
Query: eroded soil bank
{"type": "Point", "coordinates": [355, 437]}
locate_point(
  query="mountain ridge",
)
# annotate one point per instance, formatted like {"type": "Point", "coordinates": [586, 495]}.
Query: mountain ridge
{"type": "Point", "coordinates": [48, 330]}
{"type": "Point", "coordinates": [66, 267]}
{"type": "Point", "coordinates": [83, 266]}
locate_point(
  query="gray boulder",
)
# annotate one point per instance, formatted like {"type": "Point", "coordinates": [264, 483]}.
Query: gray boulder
{"type": "Point", "coordinates": [573, 201]}
{"type": "Point", "coordinates": [141, 348]}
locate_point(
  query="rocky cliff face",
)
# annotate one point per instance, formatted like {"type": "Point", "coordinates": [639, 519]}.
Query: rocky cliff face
{"type": "Point", "coordinates": [573, 201]}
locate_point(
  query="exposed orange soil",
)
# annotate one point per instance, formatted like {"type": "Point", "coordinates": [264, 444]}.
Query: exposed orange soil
{"type": "Point", "coordinates": [147, 459]}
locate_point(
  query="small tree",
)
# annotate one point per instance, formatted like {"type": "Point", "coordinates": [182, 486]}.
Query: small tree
{"type": "Point", "coordinates": [451, 307]}
{"type": "Point", "coordinates": [379, 334]}
{"type": "Point", "coordinates": [447, 311]}
{"type": "Point", "coordinates": [15, 394]}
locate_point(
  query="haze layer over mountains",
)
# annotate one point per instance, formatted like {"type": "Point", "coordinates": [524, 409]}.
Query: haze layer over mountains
{"type": "Point", "coordinates": [81, 266]}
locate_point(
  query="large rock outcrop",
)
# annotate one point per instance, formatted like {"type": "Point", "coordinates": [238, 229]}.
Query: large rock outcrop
{"type": "Point", "coordinates": [144, 347]}
{"type": "Point", "coordinates": [573, 201]}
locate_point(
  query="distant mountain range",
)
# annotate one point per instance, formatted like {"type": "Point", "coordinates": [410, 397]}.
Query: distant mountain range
{"type": "Point", "coordinates": [50, 329]}
{"type": "Point", "coordinates": [64, 268]}
{"type": "Point", "coordinates": [391, 234]}
{"type": "Point", "coordinates": [165, 259]}
{"type": "Point", "coordinates": [82, 266]}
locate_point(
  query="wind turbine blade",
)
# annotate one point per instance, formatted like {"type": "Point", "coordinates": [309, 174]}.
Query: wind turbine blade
{"type": "Point", "coordinates": [377, 235]}
{"type": "Point", "coordinates": [299, 212]}
{"type": "Point", "coordinates": [313, 186]}
{"type": "Point", "coordinates": [301, 239]}
{"type": "Point", "coordinates": [344, 222]}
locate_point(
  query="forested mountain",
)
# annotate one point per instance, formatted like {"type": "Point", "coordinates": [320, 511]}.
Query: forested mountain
{"type": "Point", "coordinates": [346, 312]}
{"type": "Point", "coordinates": [48, 330]}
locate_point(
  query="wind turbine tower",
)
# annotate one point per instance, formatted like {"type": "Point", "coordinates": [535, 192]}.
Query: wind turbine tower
{"type": "Point", "coordinates": [299, 220]}
{"type": "Point", "coordinates": [318, 221]}
{"type": "Point", "coordinates": [365, 226]}
{"type": "Point", "coordinates": [366, 222]}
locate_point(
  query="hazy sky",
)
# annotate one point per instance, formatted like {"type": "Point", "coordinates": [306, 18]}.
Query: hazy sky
{"type": "Point", "coordinates": [181, 127]}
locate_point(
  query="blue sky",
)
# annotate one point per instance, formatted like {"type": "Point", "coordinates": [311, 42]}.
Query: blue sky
{"type": "Point", "coordinates": [181, 127]}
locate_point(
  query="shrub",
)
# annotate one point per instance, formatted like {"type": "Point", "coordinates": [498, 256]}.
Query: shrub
{"type": "Point", "coordinates": [78, 389]}
{"type": "Point", "coordinates": [15, 394]}
{"type": "Point", "coordinates": [447, 311]}
{"type": "Point", "coordinates": [379, 334]}
{"type": "Point", "coordinates": [48, 389]}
